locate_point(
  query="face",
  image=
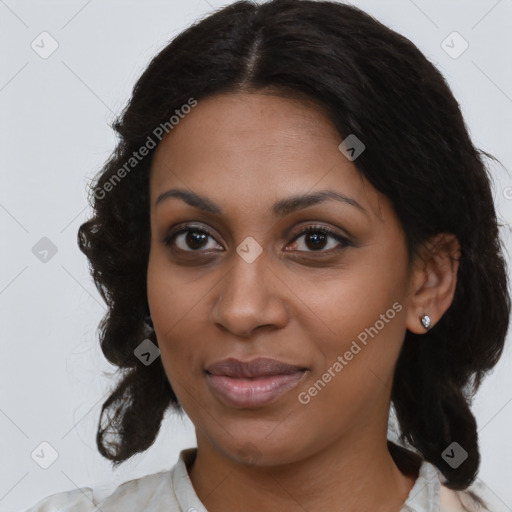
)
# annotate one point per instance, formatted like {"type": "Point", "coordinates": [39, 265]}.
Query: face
{"type": "Point", "coordinates": [237, 270]}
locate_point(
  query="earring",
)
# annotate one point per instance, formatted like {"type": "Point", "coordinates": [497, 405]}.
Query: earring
{"type": "Point", "coordinates": [425, 321]}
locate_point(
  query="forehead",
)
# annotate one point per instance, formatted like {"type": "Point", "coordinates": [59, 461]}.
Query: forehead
{"type": "Point", "coordinates": [256, 148]}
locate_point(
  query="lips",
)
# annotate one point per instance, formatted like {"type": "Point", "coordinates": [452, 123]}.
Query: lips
{"type": "Point", "coordinates": [261, 367]}
{"type": "Point", "coordinates": [253, 383]}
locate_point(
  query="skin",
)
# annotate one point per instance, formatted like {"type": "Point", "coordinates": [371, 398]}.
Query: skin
{"type": "Point", "coordinates": [245, 151]}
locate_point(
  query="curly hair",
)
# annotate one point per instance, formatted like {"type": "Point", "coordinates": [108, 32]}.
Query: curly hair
{"type": "Point", "coordinates": [374, 83]}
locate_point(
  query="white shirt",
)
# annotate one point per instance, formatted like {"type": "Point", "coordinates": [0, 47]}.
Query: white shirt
{"type": "Point", "coordinates": [172, 491]}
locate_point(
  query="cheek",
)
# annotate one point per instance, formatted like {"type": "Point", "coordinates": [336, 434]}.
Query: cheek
{"type": "Point", "coordinates": [358, 315]}
{"type": "Point", "coordinates": [160, 287]}
{"type": "Point", "coordinates": [342, 304]}
{"type": "Point", "coordinates": [353, 376]}
{"type": "Point", "coordinates": [171, 305]}
{"type": "Point", "coordinates": [171, 296]}
{"type": "Point", "coordinates": [180, 311]}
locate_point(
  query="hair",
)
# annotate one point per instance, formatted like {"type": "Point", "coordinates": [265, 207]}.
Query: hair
{"type": "Point", "coordinates": [371, 82]}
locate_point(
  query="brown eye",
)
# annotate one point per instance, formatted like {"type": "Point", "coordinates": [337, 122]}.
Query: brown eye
{"type": "Point", "coordinates": [190, 239]}
{"type": "Point", "coordinates": [320, 239]}
{"type": "Point", "coordinates": [317, 239]}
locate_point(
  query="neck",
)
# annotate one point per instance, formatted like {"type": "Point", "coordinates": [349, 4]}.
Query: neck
{"type": "Point", "coordinates": [350, 476]}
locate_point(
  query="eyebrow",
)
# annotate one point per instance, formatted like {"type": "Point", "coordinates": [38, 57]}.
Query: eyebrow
{"type": "Point", "coordinates": [280, 208]}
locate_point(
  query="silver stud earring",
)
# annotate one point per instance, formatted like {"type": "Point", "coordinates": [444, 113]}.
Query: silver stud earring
{"type": "Point", "coordinates": [425, 321]}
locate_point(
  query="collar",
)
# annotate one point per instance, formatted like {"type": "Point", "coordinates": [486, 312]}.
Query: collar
{"type": "Point", "coordinates": [423, 497]}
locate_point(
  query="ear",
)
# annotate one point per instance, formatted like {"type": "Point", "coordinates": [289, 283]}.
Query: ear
{"type": "Point", "coordinates": [433, 281]}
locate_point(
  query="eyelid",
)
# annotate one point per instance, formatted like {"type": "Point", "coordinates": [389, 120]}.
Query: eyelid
{"type": "Point", "coordinates": [180, 229]}
{"type": "Point", "coordinates": [318, 227]}
{"type": "Point", "coordinates": [343, 240]}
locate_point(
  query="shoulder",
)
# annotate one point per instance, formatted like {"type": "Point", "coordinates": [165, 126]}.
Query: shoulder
{"type": "Point", "coordinates": [469, 500]}
{"type": "Point", "coordinates": [80, 500]}
{"type": "Point", "coordinates": [133, 495]}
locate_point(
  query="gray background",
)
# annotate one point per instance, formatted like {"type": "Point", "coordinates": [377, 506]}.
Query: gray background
{"type": "Point", "coordinates": [54, 137]}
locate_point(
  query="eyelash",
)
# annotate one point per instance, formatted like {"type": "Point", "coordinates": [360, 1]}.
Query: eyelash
{"type": "Point", "coordinates": [345, 242]}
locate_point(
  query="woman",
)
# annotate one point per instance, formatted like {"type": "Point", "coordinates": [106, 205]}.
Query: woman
{"type": "Point", "coordinates": [294, 234]}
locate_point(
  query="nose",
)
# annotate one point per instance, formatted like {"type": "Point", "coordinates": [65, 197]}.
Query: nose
{"type": "Point", "coordinates": [251, 296]}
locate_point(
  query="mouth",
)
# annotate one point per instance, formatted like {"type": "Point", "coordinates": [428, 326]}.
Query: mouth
{"type": "Point", "coordinates": [254, 383]}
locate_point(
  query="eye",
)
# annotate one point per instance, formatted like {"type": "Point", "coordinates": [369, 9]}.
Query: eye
{"type": "Point", "coordinates": [316, 239]}
{"type": "Point", "coordinates": [189, 239]}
